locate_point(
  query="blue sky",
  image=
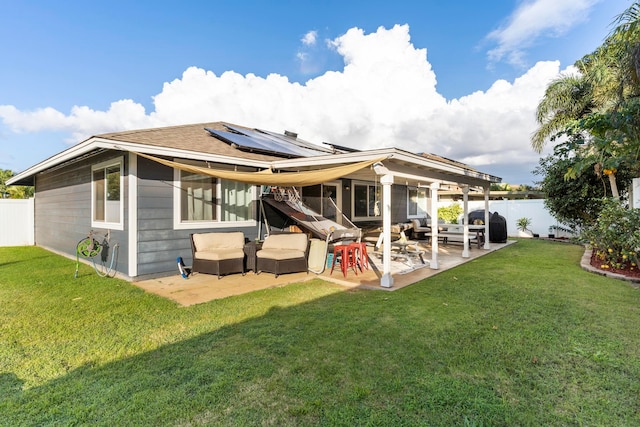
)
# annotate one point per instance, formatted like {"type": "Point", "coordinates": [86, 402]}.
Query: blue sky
{"type": "Point", "coordinates": [460, 79]}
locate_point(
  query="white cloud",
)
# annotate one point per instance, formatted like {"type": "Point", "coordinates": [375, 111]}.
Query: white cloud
{"type": "Point", "coordinates": [309, 39]}
{"type": "Point", "coordinates": [533, 20]}
{"type": "Point", "coordinates": [385, 96]}
{"type": "Point", "coordinates": [308, 56]}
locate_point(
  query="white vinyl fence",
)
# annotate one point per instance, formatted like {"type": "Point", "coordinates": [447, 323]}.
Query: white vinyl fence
{"type": "Point", "coordinates": [512, 210]}
{"type": "Point", "coordinates": [16, 222]}
{"type": "Point", "coordinates": [17, 218]}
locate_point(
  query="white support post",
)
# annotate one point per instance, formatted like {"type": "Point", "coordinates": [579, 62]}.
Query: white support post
{"type": "Point", "coordinates": [434, 226]}
{"type": "Point", "coordinates": [386, 281]}
{"type": "Point", "coordinates": [132, 220]}
{"type": "Point", "coordinates": [465, 222]}
{"type": "Point", "coordinates": [487, 245]}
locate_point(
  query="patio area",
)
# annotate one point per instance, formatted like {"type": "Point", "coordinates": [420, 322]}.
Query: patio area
{"type": "Point", "coordinates": [200, 288]}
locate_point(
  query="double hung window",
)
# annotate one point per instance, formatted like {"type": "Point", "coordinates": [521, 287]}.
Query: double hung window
{"type": "Point", "coordinates": [106, 194]}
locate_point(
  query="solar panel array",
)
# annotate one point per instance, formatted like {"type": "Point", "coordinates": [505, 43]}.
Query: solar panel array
{"type": "Point", "coordinates": [265, 142]}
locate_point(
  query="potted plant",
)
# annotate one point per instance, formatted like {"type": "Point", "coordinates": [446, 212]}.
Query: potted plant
{"type": "Point", "coordinates": [523, 225]}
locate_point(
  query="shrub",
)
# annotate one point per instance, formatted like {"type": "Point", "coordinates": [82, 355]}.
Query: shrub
{"type": "Point", "coordinates": [615, 237]}
{"type": "Point", "coordinates": [450, 213]}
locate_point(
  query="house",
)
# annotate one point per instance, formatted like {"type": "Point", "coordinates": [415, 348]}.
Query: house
{"type": "Point", "coordinates": [151, 188]}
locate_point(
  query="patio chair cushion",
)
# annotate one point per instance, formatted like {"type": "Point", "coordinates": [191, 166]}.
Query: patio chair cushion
{"type": "Point", "coordinates": [296, 242]}
{"type": "Point", "coordinates": [205, 242]}
{"type": "Point", "coordinates": [220, 254]}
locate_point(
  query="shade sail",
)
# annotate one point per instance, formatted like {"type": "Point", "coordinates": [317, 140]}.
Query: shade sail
{"type": "Point", "coordinates": [267, 176]}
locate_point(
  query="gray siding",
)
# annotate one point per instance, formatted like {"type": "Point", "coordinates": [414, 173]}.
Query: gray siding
{"type": "Point", "coordinates": [158, 243]}
{"type": "Point", "coordinates": [398, 203]}
{"type": "Point", "coordinates": [63, 209]}
{"type": "Point", "coordinates": [63, 215]}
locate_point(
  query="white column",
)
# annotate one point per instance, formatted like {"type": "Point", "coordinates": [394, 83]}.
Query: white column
{"type": "Point", "coordinates": [465, 222]}
{"type": "Point", "coordinates": [487, 245]}
{"type": "Point", "coordinates": [386, 280]}
{"type": "Point", "coordinates": [132, 220]}
{"type": "Point", "coordinates": [434, 226]}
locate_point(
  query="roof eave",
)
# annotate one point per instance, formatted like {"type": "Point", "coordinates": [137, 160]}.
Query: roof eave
{"type": "Point", "coordinates": [464, 174]}
{"type": "Point", "coordinates": [95, 143]}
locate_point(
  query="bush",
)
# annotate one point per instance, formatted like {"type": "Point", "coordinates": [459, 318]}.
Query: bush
{"type": "Point", "coordinates": [450, 213]}
{"type": "Point", "coordinates": [615, 237]}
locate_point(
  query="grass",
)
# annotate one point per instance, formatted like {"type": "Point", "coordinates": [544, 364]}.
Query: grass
{"type": "Point", "coordinates": [521, 336]}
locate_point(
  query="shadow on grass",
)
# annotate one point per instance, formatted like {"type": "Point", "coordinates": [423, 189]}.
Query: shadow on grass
{"type": "Point", "coordinates": [477, 345]}
{"type": "Point", "coordinates": [322, 362]}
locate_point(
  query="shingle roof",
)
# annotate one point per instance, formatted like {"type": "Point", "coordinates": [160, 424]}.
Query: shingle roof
{"type": "Point", "coordinates": [191, 137]}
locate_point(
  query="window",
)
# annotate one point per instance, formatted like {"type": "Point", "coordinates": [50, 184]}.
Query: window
{"type": "Point", "coordinates": [106, 188]}
{"type": "Point", "coordinates": [366, 200]}
{"type": "Point", "coordinates": [203, 201]}
{"type": "Point", "coordinates": [197, 197]}
{"type": "Point", "coordinates": [417, 202]}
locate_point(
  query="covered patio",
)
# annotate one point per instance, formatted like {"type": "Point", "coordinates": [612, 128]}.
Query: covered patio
{"type": "Point", "coordinates": [201, 288]}
{"type": "Point", "coordinates": [387, 167]}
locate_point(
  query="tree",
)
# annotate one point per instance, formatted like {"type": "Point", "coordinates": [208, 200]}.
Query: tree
{"type": "Point", "coordinates": [566, 100]}
{"type": "Point", "coordinates": [575, 202]}
{"type": "Point", "coordinates": [14, 191]}
{"type": "Point", "coordinates": [599, 108]}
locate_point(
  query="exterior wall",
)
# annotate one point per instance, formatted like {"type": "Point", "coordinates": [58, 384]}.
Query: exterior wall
{"type": "Point", "coordinates": [398, 203]}
{"type": "Point", "coordinates": [63, 209]}
{"type": "Point", "coordinates": [16, 219]}
{"type": "Point", "coordinates": [158, 244]}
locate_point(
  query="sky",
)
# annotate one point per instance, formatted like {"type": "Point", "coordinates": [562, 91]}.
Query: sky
{"type": "Point", "coordinates": [458, 79]}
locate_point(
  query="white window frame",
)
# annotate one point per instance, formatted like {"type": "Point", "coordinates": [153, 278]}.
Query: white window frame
{"type": "Point", "coordinates": [119, 161]}
{"type": "Point", "coordinates": [177, 212]}
{"type": "Point", "coordinates": [353, 201]}
{"type": "Point", "coordinates": [425, 206]}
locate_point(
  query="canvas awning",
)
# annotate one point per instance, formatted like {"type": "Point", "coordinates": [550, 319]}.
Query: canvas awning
{"type": "Point", "coordinates": [267, 176]}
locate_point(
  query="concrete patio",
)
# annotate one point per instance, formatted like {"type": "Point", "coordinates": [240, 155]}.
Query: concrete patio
{"type": "Point", "coordinates": [200, 288]}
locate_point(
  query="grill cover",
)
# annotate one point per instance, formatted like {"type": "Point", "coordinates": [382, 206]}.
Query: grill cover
{"type": "Point", "coordinates": [497, 228]}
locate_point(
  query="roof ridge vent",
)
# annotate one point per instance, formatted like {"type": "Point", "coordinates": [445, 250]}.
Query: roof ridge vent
{"type": "Point", "coordinates": [291, 134]}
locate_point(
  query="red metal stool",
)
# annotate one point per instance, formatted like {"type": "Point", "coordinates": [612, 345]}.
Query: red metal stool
{"type": "Point", "coordinates": [361, 257]}
{"type": "Point", "coordinates": [347, 255]}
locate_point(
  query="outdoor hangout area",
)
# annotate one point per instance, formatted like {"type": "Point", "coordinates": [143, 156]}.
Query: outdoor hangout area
{"type": "Point", "coordinates": [519, 336]}
{"type": "Point", "coordinates": [226, 263]}
{"type": "Point", "coordinates": [406, 270]}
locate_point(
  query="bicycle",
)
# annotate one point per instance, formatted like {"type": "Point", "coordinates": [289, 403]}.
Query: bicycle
{"type": "Point", "coordinates": [90, 247]}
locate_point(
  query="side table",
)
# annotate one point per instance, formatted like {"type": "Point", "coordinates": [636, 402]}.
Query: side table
{"type": "Point", "coordinates": [250, 250]}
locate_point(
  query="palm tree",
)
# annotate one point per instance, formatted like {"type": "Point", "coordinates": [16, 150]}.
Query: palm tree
{"type": "Point", "coordinates": [597, 106]}
{"type": "Point", "coordinates": [566, 100]}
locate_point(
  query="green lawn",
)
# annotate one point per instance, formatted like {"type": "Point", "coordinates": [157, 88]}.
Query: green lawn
{"type": "Point", "coordinates": [521, 336]}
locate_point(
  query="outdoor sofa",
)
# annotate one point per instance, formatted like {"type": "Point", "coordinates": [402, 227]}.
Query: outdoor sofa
{"type": "Point", "coordinates": [218, 253]}
{"type": "Point", "coordinates": [283, 253]}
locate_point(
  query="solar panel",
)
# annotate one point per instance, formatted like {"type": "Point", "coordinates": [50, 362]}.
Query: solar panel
{"type": "Point", "coordinates": [298, 142]}
{"type": "Point", "coordinates": [278, 144]}
{"type": "Point", "coordinates": [261, 142]}
{"type": "Point", "coordinates": [245, 143]}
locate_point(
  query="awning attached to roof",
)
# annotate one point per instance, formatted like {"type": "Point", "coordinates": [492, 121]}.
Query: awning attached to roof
{"type": "Point", "coordinates": [267, 176]}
